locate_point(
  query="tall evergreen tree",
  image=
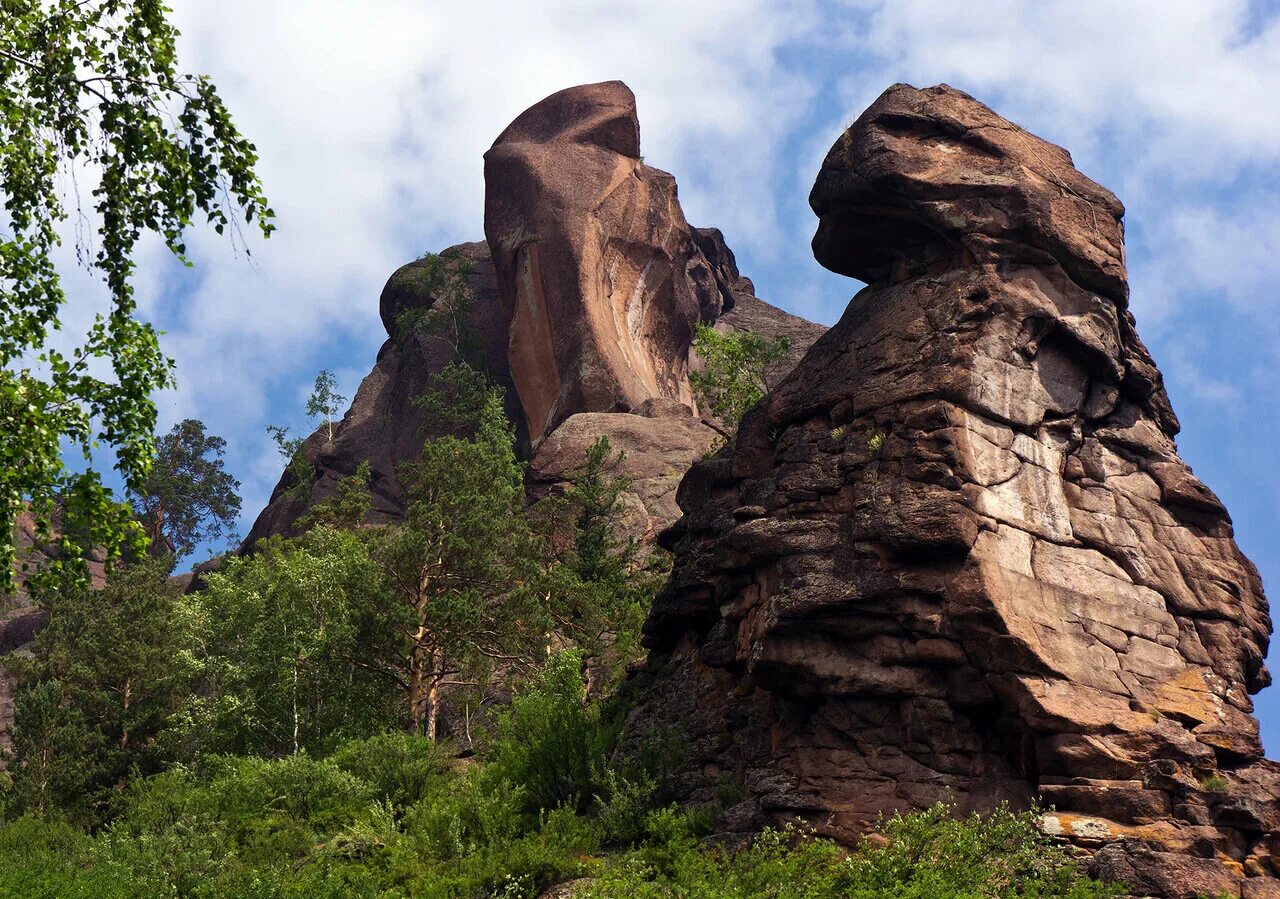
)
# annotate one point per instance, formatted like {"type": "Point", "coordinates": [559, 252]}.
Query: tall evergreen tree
{"type": "Point", "coordinates": [461, 593]}
{"type": "Point", "coordinates": [111, 675]}
{"type": "Point", "coordinates": [188, 497]}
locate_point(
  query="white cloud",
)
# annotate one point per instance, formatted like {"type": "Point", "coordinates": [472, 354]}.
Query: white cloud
{"type": "Point", "coordinates": [1187, 83]}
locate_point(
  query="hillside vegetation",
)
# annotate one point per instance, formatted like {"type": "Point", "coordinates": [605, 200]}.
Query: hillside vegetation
{"type": "Point", "coordinates": [403, 710]}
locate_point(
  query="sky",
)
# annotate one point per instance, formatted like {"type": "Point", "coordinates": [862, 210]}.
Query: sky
{"type": "Point", "coordinates": [371, 120]}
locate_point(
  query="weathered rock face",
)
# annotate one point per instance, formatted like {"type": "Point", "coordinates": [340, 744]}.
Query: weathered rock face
{"type": "Point", "coordinates": [383, 425]}
{"type": "Point", "coordinates": [584, 314]}
{"type": "Point", "coordinates": [955, 554]}
{"type": "Point", "coordinates": [601, 277]}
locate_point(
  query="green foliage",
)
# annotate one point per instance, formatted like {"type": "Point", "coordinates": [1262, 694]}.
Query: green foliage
{"type": "Point", "coordinates": [735, 370]}
{"type": "Point", "coordinates": [549, 740]}
{"type": "Point", "coordinates": [396, 815]}
{"type": "Point", "coordinates": [455, 400]}
{"type": "Point", "coordinates": [599, 589]}
{"type": "Point", "coordinates": [325, 402]}
{"type": "Point", "coordinates": [188, 497]}
{"type": "Point", "coordinates": [94, 85]}
{"type": "Point", "coordinates": [348, 506]}
{"type": "Point", "coordinates": [459, 567]}
{"type": "Point", "coordinates": [997, 856]}
{"type": "Point", "coordinates": [1214, 783]}
{"type": "Point", "coordinates": [446, 279]}
{"type": "Point", "coordinates": [403, 769]}
{"type": "Point", "coordinates": [279, 641]}
{"type": "Point", "coordinates": [54, 755]}
{"type": "Point", "coordinates": [928, 855]}
{"type": "Point", "coordinates": [111, 675]}
{"type": "Point", "coordinates": [299, 472]}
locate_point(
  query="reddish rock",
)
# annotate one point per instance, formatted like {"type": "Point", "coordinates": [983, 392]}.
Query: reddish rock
{"type": "Point", "coordinates": [597, 344]}
{"type": "Point", "coordinates": [955, 555]}
{"type": "Point", "coordinates": [601, 278]}
{"type": "Point", "coordinates": [658, 443]}
{"type": "Point", "coordinates": [383, 425]}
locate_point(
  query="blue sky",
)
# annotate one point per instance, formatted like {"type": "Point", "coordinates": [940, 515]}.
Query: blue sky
{"type": "Point", "coordinates": [371, 127]}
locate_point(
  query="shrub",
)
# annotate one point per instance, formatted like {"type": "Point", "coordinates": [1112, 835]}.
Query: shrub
{"type": "Point", "coordinates": [550, 741]}
{"type": "Point", "coordinates": [1214, 783]}
{"type": "Point", "coordinates": [928, 855]}
{"type": "Point", "coordinates": [402, 768]}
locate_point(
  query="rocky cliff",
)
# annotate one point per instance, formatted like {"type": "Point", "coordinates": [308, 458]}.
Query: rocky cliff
{"type": "Point", "coordinates": [955, 555]}
{"type": "Point", "coordinates": [585, 297]}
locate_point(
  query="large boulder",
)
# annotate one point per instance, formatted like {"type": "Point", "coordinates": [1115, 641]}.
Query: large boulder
{"type": "Point", "coordinates": [955, 555]}
{"type": "Point", "coordinates": [600, 275]}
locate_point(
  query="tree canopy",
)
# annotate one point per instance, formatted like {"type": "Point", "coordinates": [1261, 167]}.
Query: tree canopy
{"type": "Point", "coordinates": [91, 94]}
{"type": "Point", "coordinates": [735, 370]}
{"type": "Point", "coordinates": [188, 497]}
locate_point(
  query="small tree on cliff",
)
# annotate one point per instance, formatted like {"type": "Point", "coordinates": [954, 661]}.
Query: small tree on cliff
{"type": "Point", "coordinates": [325, 402]}
{"type": "Point", "coordinates": [188, 496]}
{"type": "Point", "coordinates": [446, 278]}
{"type": "Point", "coordinates": [735, 370]}
{"type": "Point", "coordinates": [461, 592]}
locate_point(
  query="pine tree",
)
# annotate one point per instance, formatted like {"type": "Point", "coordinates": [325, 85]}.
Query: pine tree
{"type": "Point", "coordinates": [111, 674]}
{"type": "Point", "coordinates": [461, 594]}
{"type": "Point", "coordinates": [188, 497]}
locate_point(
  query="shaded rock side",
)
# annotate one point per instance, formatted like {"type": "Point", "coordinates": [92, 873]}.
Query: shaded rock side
{"type": "Point", "coordinates": [661, 438]}
{"type": "Point", "coordinates": [955, 555]}
{"type": "Point", "coordinates": [383, 425]}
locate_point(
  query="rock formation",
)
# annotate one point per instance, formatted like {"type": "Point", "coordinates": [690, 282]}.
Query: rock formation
{"type": "Point", "coordinates": [584, 313]}
{"type": "Point", "coordinates": [601, 278]}
{"type": "Point", "coordinates": [955, 555]}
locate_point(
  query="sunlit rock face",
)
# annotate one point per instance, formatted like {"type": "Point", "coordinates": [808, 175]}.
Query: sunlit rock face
{"type": "Point", "coordinates": [955, 555]}
{"type": "Point", "coordinates": [583, 313]}
{"type": "Point", "coordinates": [600, 275]}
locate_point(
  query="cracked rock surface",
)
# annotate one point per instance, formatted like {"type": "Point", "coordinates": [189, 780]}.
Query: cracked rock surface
{"type": "Point", "coordinates": [955, 555]}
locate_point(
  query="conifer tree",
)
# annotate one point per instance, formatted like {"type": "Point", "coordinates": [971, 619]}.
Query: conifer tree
{"type": "Point", "coordinates": [460, 567]}
{"type": "Point", "coordinates": [188, 497]}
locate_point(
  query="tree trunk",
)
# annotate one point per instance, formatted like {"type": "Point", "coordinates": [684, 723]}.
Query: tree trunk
{"type": "Point", "coordinates": [296, 720]}
{"type": "Point", "coordinates": [433, 694]}
{"type": "Point", "coordinates": [414, 694]}
{"type": "Point", "coordinates": [127, 693]}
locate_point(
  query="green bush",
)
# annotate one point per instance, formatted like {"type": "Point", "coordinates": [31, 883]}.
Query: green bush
{"type": "Point", "coordinates": [402, 768]}
{"type": "Point", "coordinates": [395, 815]}
{"type": "Point", "coordinates": [928, 855]}
{"type": "Point", "coordinates": [550, 741]}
